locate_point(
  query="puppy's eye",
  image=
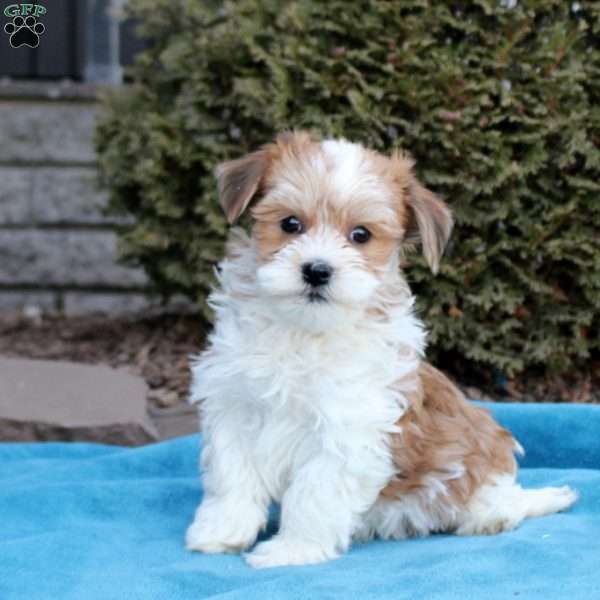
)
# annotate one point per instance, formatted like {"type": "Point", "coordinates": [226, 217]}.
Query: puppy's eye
{"type": "Point", "coordinates": [292, 225]}
{"type": "Point", "coordinates": [360, 235]}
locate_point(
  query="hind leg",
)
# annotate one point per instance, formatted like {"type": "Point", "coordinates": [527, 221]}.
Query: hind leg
{"type": "Point", "coordinates": [412, 515]}
{"type": "Point", "coordinates": [503, 505]}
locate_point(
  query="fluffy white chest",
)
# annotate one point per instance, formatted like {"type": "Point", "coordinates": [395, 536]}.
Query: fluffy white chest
{"type": "Point", "coordinates": [299, 408]}
{"type": "Point", "coordinates": [290, 395]}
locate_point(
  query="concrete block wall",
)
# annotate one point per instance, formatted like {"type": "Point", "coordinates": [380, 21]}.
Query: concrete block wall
{"type": "Point", "coordinates": [58, 251]}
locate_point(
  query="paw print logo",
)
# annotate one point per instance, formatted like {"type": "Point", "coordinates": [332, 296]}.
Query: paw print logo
{"type": "Point", "coordinates": [24, 31]}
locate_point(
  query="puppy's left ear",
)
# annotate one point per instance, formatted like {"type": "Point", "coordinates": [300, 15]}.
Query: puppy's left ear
{"type": "Point", "coordinates": [239, 180]}
{"type": "Point", "coordinates": [430, 220]}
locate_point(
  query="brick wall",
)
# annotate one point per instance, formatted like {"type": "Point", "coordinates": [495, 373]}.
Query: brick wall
{"type": "Point", "coordinates": [58, 251]}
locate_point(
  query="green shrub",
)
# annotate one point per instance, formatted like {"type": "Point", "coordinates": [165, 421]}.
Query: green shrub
{"type": "Point", "coordinates": [500, 107]}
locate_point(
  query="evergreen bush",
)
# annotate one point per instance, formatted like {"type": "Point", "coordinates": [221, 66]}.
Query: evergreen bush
{"type": "Point", "coordinates": [499, 103]}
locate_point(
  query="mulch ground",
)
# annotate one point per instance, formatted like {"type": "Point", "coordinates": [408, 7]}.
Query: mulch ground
{"type": "Point", "coordinates": [158, 349]}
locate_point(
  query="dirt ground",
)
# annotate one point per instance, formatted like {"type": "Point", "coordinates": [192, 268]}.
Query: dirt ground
{"type": "Point", "coordinates": [158, 349]}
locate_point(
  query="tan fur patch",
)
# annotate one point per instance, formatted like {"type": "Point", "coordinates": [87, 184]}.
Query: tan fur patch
{"type": "Point", "coordinates": [442, 431]}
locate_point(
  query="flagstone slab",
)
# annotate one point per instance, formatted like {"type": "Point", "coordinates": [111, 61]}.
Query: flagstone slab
{"type": "Point", "coordinates": [43, 400]}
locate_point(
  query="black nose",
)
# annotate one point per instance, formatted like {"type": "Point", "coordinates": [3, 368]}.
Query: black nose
{"type": "Point", "coordinates": [316, 273]}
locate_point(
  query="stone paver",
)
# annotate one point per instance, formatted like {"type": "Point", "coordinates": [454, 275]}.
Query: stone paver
{"type": "Point", "coordinates": [53, 400]}
{"type": "Point", "coordinates": [177, 421]}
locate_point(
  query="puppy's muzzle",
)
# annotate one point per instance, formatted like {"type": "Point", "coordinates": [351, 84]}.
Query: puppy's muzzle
{"type": "Point", "coordinates": [317, 273]}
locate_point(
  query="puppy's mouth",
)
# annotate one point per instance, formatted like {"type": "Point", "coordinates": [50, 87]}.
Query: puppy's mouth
{"type": "Point", "coordinates": [316, 297]}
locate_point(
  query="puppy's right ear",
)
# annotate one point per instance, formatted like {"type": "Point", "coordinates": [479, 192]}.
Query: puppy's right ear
{"type": "Point", "coordinates": [239, 180]}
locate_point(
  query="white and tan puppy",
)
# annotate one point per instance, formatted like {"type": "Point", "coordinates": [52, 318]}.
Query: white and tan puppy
{"type": "Point", "coordinates": [313, 391]}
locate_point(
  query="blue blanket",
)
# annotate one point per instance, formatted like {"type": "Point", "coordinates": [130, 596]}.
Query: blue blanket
{"type": "Point", "coordinates": [89, 522]}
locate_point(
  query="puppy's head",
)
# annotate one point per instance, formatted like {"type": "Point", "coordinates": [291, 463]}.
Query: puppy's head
{"type": "Point", "coordinates": [329, 219]}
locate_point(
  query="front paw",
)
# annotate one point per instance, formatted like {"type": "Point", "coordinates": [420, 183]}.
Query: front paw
{"type": "Point", "coordinates": [216, 530]}
{"type": "Point", "coordinates": [279, 552]}
{"type": "Point", "coordinates": [203, 538]}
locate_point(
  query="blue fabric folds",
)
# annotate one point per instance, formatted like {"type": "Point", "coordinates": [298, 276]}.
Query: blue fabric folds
{"type": "Point", "coordinates": [88, 522]}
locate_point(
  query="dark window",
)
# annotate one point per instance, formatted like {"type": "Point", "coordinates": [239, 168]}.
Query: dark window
{"type": "Point", "coordinates": [82, 41]}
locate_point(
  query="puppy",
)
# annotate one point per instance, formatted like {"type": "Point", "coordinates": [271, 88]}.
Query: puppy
{"type": "Point", "coordinates": [313, 390]}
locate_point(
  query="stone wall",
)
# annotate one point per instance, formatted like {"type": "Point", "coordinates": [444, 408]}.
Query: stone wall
{"type": "Point", "coordinates": [58, 251]}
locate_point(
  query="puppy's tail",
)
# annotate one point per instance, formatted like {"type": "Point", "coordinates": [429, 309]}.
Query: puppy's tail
{"type": "Point", "coordinates": [546, 501]}
{"type": "Point", "coordinates": [504, 504]}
